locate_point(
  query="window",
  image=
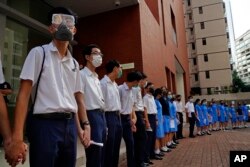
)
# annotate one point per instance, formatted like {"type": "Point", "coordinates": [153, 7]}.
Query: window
{"type": "Point", "coordinates": [191, 31]}
{"type": "Point", "coordinates": [202, 25]}
{"type": "Point", "coordinates": [209, 92]}
{"type": "Point", "coordinates": [207, 75]}
{"type": "Point", "coordinates": [193, 46]}
{"type": "Point", "coordinates": [204, 41]}
{"type": "Point", "coordinates": [194, 61]}
{"type": "Point", "coordinates": [205, 58]}
{"type": "Point", "coordinates": [174, 32]}
{"type": "Point", "coordinates": [196, 77]}
{"type": "Point", "coordinates": [225, 20]}
{"type": "Point", "coordinates": [229, 50]}
{"type": "Point", "coordinates": [188, 2]}
{"type": "Point", "coordinates": [227, 35]}
{"type": "Point", "coordinates": [200, 10]}
{"type": "Point", "coordinates": [190, 16]}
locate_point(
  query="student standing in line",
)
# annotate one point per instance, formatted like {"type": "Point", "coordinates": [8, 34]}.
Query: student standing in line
{"type": "Point", "coordinates": [179, 109]}
{"type": "Point", "coordinates": [221, 109]}
{"type": "Point", "coordinates": [240, 115]}
{"type": "Point", "coordinates": [140, 136]}
{"type": "Point", "coordinates": [199, 117]}
{"type": "Point", "coordinates": [112, 113]}
{"type": "Point", "coordinates": [53, 124]}
{"type": "Point", "coordinates": [245, 114]}
{"type": "Point", "coordinates": [127, 111]}
{"type": "Point", "coordinates": [159, 129]}
{"type": "Point", "coordinates": [205, 114]}
{"type": "Point", "coordinates": [232, 114]}
{"type": "Point", "coordinates": [226, 115]}
{"type": "Point", "coordinates": [94, 104]}
{"type": "Point", "coordinates": [191, 115]}
{"type": "Point", "coordinates": [215, 113]}
{"type": "Point", "coordinates": [150, 106]}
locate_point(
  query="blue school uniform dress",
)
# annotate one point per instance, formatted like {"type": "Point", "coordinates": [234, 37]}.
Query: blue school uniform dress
{"type": "Point", "coordinates": [226, 114]}
{"type": "Point", "coordinates": [240, 113]}
{"type": "Point", "coordinates": [245, 113]}
{"type": "Point", "coordinates": [214, 113]}
{"type": "Point", "coordinates": [200, 119]}
{"type": "Point", "coordinates": [159, 128]}
{"type": "Point", "coordinates": [222, 113]}
{"type": "Point", "coordinates": [210, 114]}
{"type": "Point", "coordinates": [233, 114]}
{"type": "Point", "coordinates": [205, 114]}
{"type": "Point", "coordinates": [165, 113]}
{"type": "Point", "coordinates": [172, 118]}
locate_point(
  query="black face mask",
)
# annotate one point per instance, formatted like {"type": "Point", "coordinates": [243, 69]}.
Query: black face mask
{"type": "Point", "coordinates": [151, 90]}
{"type": "Point", "coordinates": [63, 33]}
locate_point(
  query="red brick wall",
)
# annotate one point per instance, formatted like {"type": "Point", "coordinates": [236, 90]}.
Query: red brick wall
{"type": "Point", "coordinates": [117, 33]}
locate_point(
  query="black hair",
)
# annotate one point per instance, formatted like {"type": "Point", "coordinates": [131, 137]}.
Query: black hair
{"type": "Point", "coordinates": [111, 65]}
{"type": "Point", "coordinates": [144, 76]}
{"type": "Point", "coordinates": [203, 100]}
{"type": "Point", "coordinates": [61, 10]}
{"type": "Point", "coordinates": [189, 97]}
{"type": "Point", "coordinates": [134, 76]}
{"type": "Point", "coordinates": [88, 50]}
{"type": "Point", "coordinates": [148, 85]}
{"type": "Point", "coordinates": [158, 91]}
{"type": "Point", "coordinates": [196, 102]}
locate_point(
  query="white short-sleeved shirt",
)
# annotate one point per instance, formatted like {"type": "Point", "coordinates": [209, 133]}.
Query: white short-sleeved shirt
{"type": "Point", "coordinates": [60, 79]}
{"type": "Point", "coordinates": [190, 108]}
{"type": "Point", "coordinates": [2, 80]}
{"type": "Point", "coordinates": [127, 99]}
{"type": "Point", "coordinates": [179, 106]}
{"type": "Point", "coordinates": [111, 94]}
{"type": "Point", "coordinates": [139, 106]}
{"type": "Point", "coordinates": [149, 103]}
{"type": "Point", "coordinates": [92, 90]}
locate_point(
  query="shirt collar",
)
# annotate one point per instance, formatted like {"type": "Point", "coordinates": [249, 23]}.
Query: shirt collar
{"type": "Point", "coordinates": [126, 86]}
{"type": "Point", "coordinates": [107, 79]}
{"type": "Point", "coordinates": [90, 73]}
{"type": "Point", "coordinates": [53, 48]}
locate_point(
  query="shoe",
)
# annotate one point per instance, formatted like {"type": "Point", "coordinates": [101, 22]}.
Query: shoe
{"type": "Point", "coordinates": [208, 133]}
{"type": "Point", "coordinates": [156, 157]}
{"type": "Point", "coordinates": [176, 142]}
{"type": "Point", "coordinates": [165, 149]}
{"type": "Point", "coordinates": [150, 163]}
{"type": "Point", "coordinates": [246, 126]}
{"type": "Point", "coordinates": [171, 146]}
{"type": "Point", "coordinates": [192, 136]}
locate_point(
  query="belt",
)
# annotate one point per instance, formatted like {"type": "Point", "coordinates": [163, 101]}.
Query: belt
{"type": "Point", "coordinates": [113, 112]}
{"type": "Point", "coordinates": [96, 110]}
{"type": "Point", "coordinates": [56, 115]}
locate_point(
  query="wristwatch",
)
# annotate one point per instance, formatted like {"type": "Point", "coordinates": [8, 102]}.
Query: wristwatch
{"type": "Point", "coordinates": [84, 123]}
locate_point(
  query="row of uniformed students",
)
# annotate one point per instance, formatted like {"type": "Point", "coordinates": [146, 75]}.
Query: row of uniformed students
{"type": "Point", "coordinates": [214, 117]}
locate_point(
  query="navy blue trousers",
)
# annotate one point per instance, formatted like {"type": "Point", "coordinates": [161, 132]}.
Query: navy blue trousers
{"type": "Point", "coordinates": [52, 142]}
{"type": "Point", "coordinates": [129, 140]}
{"type": "Point", "coordinates": [95, 154]}
{"type": "Point", "coordinates": [112, 147]}
{"type": "Point", "coordinates": [140, 138]}
{"type": "Point", "coordinates": [150, 146]}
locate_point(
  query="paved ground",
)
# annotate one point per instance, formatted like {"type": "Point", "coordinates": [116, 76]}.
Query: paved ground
{"type": "Point", "coordinates": [205, 151]}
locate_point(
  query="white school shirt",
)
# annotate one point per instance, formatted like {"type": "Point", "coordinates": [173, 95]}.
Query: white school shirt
{"type": "Point", "coordinates": [190, 108]}
{"type": "Point", "coordinates": [2, 80]}
{"type": "Point", "coordinates": [139, 106]}
{"type": "Point", "coordinates": [179, 107]}
{"type": "Point", "coordinates": [92, 90]}
{"type": "Point", "coordinates": [149, 103]}
{"type": "Point", "coordinates": [111, 94]}
{"type": "Point", "coordinates": [60, 79]}
{"type": "Point", "coordinates": [127, 99]}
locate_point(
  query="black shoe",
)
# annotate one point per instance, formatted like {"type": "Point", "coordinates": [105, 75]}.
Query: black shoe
{"type": "Point", "coordinates": [171, 146]}
{"type": "Point", "coordinates": [161, 154]}
{"type": "Point", "coordinates": [176, 142]}
{"type": "Point", "coordinates": [149, 162]}
{"type": "Point", "coordinates": [157, 157]}
{"type": "Point", "coordinates": [192, 136]}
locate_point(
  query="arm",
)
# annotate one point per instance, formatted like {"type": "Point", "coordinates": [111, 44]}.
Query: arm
{"type": "Point", "coordinates": [146, 117]}
{"type": "Point", "coordinates": [17, 148]}
{"type": "Point", "coordinates": [4, 122]}
{"type": "Point", "coordinates": [81, 117]}
{"type": "Point", "coordinates": [6, 91]}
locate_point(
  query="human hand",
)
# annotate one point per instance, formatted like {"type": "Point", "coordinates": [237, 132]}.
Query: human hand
{"type": "Point", "coordinates": [133, 128]}
{"type": "Point", "coordinates": [84, 136]}
{"type": "Point", "coordinates": [15, 152]}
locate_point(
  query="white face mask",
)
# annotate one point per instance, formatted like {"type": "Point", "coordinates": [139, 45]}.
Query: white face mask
{"type": "Point", "coordinates": [97, 60]}
{"type": "Point", "coordinates": [145, 84]}
{"type": "Point", "coordinates": [191, 100]}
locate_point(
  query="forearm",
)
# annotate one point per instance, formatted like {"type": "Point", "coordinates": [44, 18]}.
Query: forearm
{"type": "Point", "coordinates": [4, 122]}
{"type": "Point", "coordinates": [82, 115]}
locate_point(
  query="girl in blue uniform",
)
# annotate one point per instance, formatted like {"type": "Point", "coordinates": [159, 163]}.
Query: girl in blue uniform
{"type": "Point", "coordinates": [172, 112]}
{"type": "Point", "coordinates": [245, 114]}
{"type": "Point", "coordinates": [205, 116]}
{"type": "Point", "coordinates": [221, 109]}
{"type": "Point", "coordinates": [240, 115]}
{"type": "Point", "coordinates": [210, 116]}
{"type": "Point", "coordinates": [214, 115]}
{"type": "Point", "coordinates": [226, 115]}
{"type": "Point", "coordinates": [199, 117]}
{"type": "Point", "coordinates": [232, 115]}
{"type": "Point", "coordinates": [159, 129]}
